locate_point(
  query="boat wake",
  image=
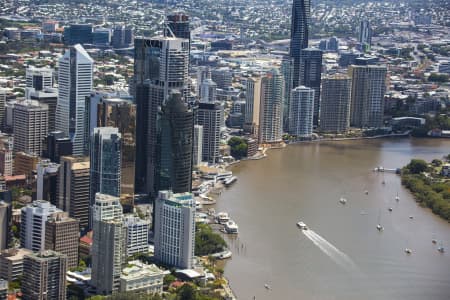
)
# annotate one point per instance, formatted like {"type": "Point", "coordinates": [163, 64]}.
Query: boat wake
{"type": "Point", "coordinates": [331, 251]}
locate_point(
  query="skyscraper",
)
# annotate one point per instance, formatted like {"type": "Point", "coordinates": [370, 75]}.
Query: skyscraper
{"type": "Point", "coordinates": [208, 91]}
{"type": "Point", "coordinates": [271, 107]}
{"type": "Point", "coordinates": [46, 181]}
{"type": "Point", "coordinates": [78, 34]}
{"type": "Point", "coordinates": [301, 112]}
{"type": "Point", "coordinates": [161, 64]}
{"type": "Point", "coordinates": [105, 162]}
{"type": "Point", "coordinates": [300, 22]}
{"type": "Point", "coordinates": [62, 235]}
{"type": "Point", "coordinates": [39, 78]}
{"type": "Point", "coordinates": [30, 126]}
{"type": "Point", "coordinates": [33, 218]}
{"type": "Point", "coordinates": [286, 71]}
{"type": "Point", "coordinates": [368, 89]}
{"type": "Point", "coordinates": [73, 188]}
{"type": "Point", "coordinates": [121, 113]}
{"type": "Point", "coordinates": [252, 105]}
{"type": "Point", "coordinates": [209, 115]}
{"type": "Point", "coordinates": [44, 276]}
{"type": "Point", "coordinates": [178, 23]}
{"type": "Point", "coordinates": [75, 84]}
{"type": "Point", "coordinates": [137, 234]}
{"type": "Point", "coordinates": [175, 229]}
{"type": "Point", "coordinates": [57, 145]}
{"type": "Point", "coordinates": [197, 145]}
{"type": "Point", "coordinates": [5, 224]}
{"type": "Point", "coordinates": [365, 32]}
{"type": "Point", "coordinates": [310, 75]}
{"type": "Point", "coordinates": [109, 244]}
{"type": "Point", "coordinates": [335, 105]}
{"type": "Point", "coordinates": [48, 96]}
{"type": "Point", "coordinates": [174, 148]}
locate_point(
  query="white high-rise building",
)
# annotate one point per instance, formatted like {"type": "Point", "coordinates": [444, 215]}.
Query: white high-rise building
{"type": "Point", "coordinates": [271, 108]}
{"type": "Point", "coordinates": [197, 145]}
{"type": "Point", "coordinates": [301, 112]}
{"type": "Point", "coordinates": [32, 228]}
{"type": "Point", "coordinates": [210, 116]}
{"type": "Point", "coordinates": [106, 207]}
{"type": "Point", "coordinates": [39, 78]}
{"type": "Point", "coordinates": [30, 124]}
{"type": "Point", "coordinates": [203, 73]}
{"type": "Point", "coordinates": [137, 234]}
{"type": "Point", "coordinates": [175, 229]}
{"type": "Point", "coordinates": [208, 90]}
{"type": "Point", "coordinates": [252, 104]}
{"type": "Point", "coordinates": [74, 85]}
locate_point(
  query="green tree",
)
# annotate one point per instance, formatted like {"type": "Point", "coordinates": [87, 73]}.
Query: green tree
{"type": "Point", "coordinates": [417, 166]}
{"type": "Point", "coordinates": [238, 147]}
{"type": "Point", "coordinates": [168, 279]}
{"type": "Point", "coordinates": [207, 242]}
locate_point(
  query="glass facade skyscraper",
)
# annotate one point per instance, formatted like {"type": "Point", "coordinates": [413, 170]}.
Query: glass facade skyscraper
{"type": "Point", "coordinates": [300, 20]}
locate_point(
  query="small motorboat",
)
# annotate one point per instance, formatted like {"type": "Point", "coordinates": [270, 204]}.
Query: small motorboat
{"type": "Point", "coordinates": [441, 249]}
{"type": "Point", "coordinates": [390, 209]}
{"type": "Point", "coordinates": [397, 198]}
{"type": "Point", "coordinates": [408, 251]}
{"type": "Point", "coordinates": [302, 226]}
{"type": "Point", "coordinates": [433, 241]}
{"type": "Point", "coordinates": [366, 192]}
{"type": "Point", "coordinates": [379, 227]}
{"type": "Point", "coordinates": [342, 200]}
{"type": "Point", "coordinates": [411, 217]}
{"type": "Point", "coordinates": [268, 287]}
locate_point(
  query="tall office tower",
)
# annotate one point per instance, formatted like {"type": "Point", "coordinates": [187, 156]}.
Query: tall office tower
{"type": "Point", "coordinates": [57, 145]}
{"type": "Point", "coordinates": [368, 88]}
{"type": "Point", "coordinates": [30, 126]}
{"type": "Point", "coordinates": [223, 77]}
{"type": "Point", "coordinates": [101, 37]}
{"type": "Point", "coordinates": [121, 113]}
{"type": "Point", "coordinates": [75, 84]}
{"type": "Point", "coordinates": [197, 145]}
{"type": "Point", "coordinates": [209, 115]}
{"type": "Point", "coordinates": [48, 96]}
{"type": "Point", "coordinates": [310, 75]}
{"type": "Point", "coordinates": [73, 188]}
{"type": "Point", "coordinates": [175, 229]}
{"type": "Point", "coordinates": [174, 148]}
{"type": "Point", "coordinates": [2, 107]}
{"type": "Point", "coordinates": [46, 181]}
{"type": "Point", "coordinates": [137, 234]}
{"type": "Point", "coordinates": [5, 224]}
{"type": "Point", "coordinates": [178, 23]}
{"type": "Point", "coordinates": [365, 32]}
{"type": "Point", "coordinates": [62, 235]}
{"type": "Point", "coordinates": [271, 108]}
{"type": "Point", "coordinates": [39, 78]}
{"type": "Point", "coordinates": [78, 34]}
{"type": "Point", "coordinates": [32, 228]}
{"type": "Point", "coordinates": [286, 71]}
{"type": "Point", "coordinates": [105, 162]}
{"type": "Point", "coordinates": [6, 162]}
{"type": "Point", "coordinates": [44, 276]}
{"type": "Point", "coordinates": [161, 64]}
{"type": "Point", "coordinates": [252, 105]}
{"type": "Point", "coordinates": [25, 163]}
{"type": "Point", "coordinates": [108, 247]}
{"type": "Point", "coordinates": [301, 112]}
{"type": "Point", "coordinates": [300, 21]}
{"type": "Point", "coordinates": [122, 36]}
{"type": "Point", "coordinates": [335, 105]}
{"type": "Point", "coordinates": [208, 91]}
{"type": "Point", "coordinates": [333, 44]}
{"type": "Point", "coordinates": [203, 73]}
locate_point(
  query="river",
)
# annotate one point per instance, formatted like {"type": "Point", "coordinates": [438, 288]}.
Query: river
{"type": "Point", "coordinates": [342, 256]}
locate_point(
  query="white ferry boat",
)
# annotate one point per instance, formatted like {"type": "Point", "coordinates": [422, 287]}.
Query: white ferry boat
{"type": "Point", "coordinates": [222, 217]}
{"type": "Point", "coordinates": [302, 226]}
{"type": "Point", "coordinates": [231, 227]}
{"type": "Point", "coordinates": [230, 181]}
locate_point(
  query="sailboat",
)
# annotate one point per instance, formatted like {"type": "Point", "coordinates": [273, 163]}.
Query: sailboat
{"type": "Point", "coordinates": [379, 227]}
{"type": "Point", "coordinates": [397, 198]}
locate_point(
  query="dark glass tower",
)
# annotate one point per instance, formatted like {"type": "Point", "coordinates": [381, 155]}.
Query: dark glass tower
{"type": "Point", "coordinates": [174, 148]}
{"type": "Point", "coordinates": [310, 75]}
{"type": "Point", "coordinates": [301, 16]}
{"type": "Point", "coordinates": [179, 25]}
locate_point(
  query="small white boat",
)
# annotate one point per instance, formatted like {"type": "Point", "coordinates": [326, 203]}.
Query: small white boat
{"type": "Point", "coordinates": [342, 200]}
{"type": "Point", "coordinates": [230, 181]}
{"type": "Point", "coordinates": [441, 249]}
{"type": "Point", "coordinates": [231, 227]}
{"type": "Point", "coordinates": [379, 227]}
{"type": "Point", "coordinates": [302, 226]}
{"type": "Point", "coordinates": [222, 217]}
{"type": "Point", "coordinates": [390, 209]}
{"type": "Point", "coordinates": [268, 287]}
{"type": "Point", "coordinates": [397, 198]}
{"type": "Point", "coordinates": [408, 251]}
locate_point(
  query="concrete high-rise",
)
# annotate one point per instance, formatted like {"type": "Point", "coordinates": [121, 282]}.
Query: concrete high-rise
{"type": "Point", "coordinates": [175, 229]}
{"type": "Point", "coordinates": [174, 148]}
{"type": "Point", "coordinates": [5, 224]}
{"type": "Point", "coordinates": [73, 188]}
{"type": "Point", "coordinates": [209, 115]}
{"type": "Point", "coordinates": [252, 105]}
{"type": "Point", "coordinates": [271, 108]}
{"type": "Point", "coordinates": [365, 32]}
{"type": "Point", "coordinates": [335, 103]}
{"type": "Point", "coordinates": [62, 235]}
{"type": "Point", "coordinates": [300, 22]}
{"type": "Point", "coordinates": [121, 113]}
{"type": "Point", "coordinates": [48, 96]}
{"type": "Point", "coordinates": [137, 234]}
{"type": "Point", "coordinates": [208, 91]}
{"type": "Point", "coordinates": [57, 145]}
{"type": "Point", "coordinates": [197, 145]}
{"type": "Point", "coordinates": [310, 75]}
{"type": "Point", "coordinates": [286, 71]}
{"type": "Point", "coordinates": [368, 89]}
{"type": "Point", "coordinates": [106, 143]}
{"type": "Point", "coordinates": [30, 126]}
{"type": "Point", "coordinates": [74, 85]}
{"type": "Point", "coordinates": [2, 107]}
{"type": "Point", "coordinates": [178, 23]}
{"type": "Point", "coordinates": [44, 276]}
{"type": "Point", "coordinates": [161, 64]}
{"type": "Point", "coordinates": [46, 181]}
{"type": "Point", "coordinates": [109, 244]}
{"type": "Point", "coordinates": [301, 112]}
{"type": "Point", "coordinates": [39, 78]}
{"type": "Point", "coordinates": [33, 221]}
